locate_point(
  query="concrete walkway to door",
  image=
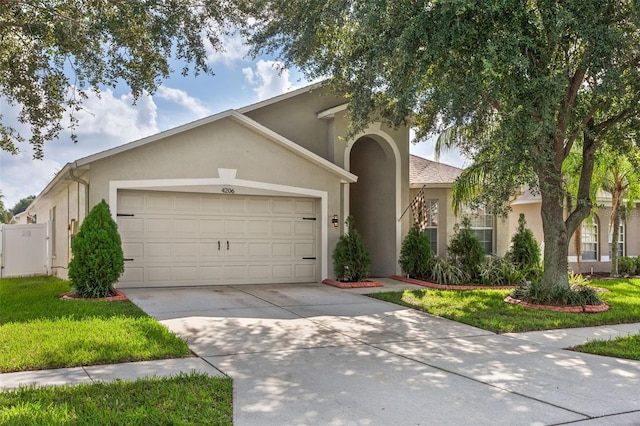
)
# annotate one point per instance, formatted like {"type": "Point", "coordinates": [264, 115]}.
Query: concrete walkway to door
{"type": "Point", "coordinates": [313, 354]}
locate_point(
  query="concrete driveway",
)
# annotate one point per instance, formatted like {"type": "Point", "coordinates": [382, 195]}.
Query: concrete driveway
{"type": "Point", "coordinates": [314, 354]}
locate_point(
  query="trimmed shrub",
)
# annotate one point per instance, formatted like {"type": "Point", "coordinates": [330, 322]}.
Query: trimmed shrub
{"type": "Point", "coordinates": [98, 260]}
{"type": "Point", "coordinates": [351, 261]}
{"type": "Point", "coordinates": [415, 253]}
{"type": "Point", "coordinates": [626, 266]}
{"type": "Point", "coordinates": [525, 251]}
{"type": "Point", "coordinates": [466, 250]}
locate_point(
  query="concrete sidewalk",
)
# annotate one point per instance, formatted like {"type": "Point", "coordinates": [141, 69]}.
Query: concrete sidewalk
{"type": "Point", "coordinates": [313, 354]}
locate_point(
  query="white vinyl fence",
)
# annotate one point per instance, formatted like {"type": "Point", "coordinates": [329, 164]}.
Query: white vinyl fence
{"type": "Point", "coordinates": [23, 250]}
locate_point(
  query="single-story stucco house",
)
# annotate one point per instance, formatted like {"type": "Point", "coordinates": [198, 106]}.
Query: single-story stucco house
{"type": "Point", "coordinates": [254, 195]}
{"type": "Point", "coordinates": [260, 195]}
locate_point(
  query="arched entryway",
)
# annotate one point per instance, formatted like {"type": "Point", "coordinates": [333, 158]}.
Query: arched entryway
{"type": "Point", "coordinates": [373, 200]}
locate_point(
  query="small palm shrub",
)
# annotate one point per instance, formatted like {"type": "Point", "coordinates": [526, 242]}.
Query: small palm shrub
{"type": "Point", "coordinates": [535, 292]}
{"type": "Point", "coordinates": [351, 261]}
{"type": "Point", "coordinates": [525, 251]}
{"type": "Point", "coordinates": [98, 260]}
{"type": "Point", "coordinates": [444, 271]}
{"type": "Point", "coordinates": [501, 271]}
{"type": "Point", "coordinates": [466, 250]}
{"type": "Point", "coordinates": [415, 253]}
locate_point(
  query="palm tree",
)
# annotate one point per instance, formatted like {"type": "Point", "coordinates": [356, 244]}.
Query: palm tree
{"type": "Point", "coordinates": [622, 180]}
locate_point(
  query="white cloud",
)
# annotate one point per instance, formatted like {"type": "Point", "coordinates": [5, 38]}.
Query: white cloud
{"type": "Point", "coordinates": [233, 49]}
{"type": "Point", "coordinates": [105, 122]}
{"type": "Point", "coordinates": [180, 97]}
{"type": "Point", "coordinates": [268, 79]}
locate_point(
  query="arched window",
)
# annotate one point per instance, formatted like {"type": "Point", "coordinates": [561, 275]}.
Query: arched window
{"type": "Point", "coordinates": [589, 235]}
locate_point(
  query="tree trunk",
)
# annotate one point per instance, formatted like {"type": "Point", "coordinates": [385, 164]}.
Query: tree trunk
{"type": "Point", "coordinates": [556, 240]}
{"type": "Point", "coordinates": [614, 242]}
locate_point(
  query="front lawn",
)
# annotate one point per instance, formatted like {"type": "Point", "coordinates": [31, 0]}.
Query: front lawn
{"type": "Point", "coordinates": [40, 331]}
{"type": "Point", "coordinates": [486, 309]}
{"type": "Point", "coordinates": [193, 399]}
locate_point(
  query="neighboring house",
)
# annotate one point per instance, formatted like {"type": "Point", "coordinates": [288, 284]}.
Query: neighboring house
{"type": "Point", "coordinates": [254, 195]}
{"type": "Point", "coordinates": [496, 233]}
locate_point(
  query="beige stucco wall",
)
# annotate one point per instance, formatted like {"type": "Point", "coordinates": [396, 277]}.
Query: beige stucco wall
{"type": "Point", "coordinates": [296, 118]}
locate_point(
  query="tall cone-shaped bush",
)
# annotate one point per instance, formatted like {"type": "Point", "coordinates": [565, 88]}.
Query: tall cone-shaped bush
{"type": "Point", "coordinates": [98, 260]}
{"type": "Point", "coordinates": [351, 261]}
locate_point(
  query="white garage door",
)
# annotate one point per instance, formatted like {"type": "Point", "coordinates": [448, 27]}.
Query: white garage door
{"type": "Point", "coordinates": [206, 239]}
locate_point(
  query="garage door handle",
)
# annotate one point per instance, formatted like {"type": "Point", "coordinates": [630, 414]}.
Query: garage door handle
{"type": "Point", "coordinates": [308, 258]}
{"type": "Point", "coordinates": [128, 259]}
{"type": "Point", "coordinates": [227, 245]}
{"type": "Point", "coordinates": [218, 245]}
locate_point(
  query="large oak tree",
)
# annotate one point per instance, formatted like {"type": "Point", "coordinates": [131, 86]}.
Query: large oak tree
{"type": "Point", "coordinates": [522, 81]}
{"type": "Point", "coordinates": [53, 51]}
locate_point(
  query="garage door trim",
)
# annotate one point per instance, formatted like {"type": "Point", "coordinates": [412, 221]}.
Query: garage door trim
{"type": "Point", "coordinates": [227, 179]}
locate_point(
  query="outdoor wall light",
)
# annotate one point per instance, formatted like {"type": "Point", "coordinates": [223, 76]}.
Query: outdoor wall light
{"type": "Point", "coordinates": [334, 220]}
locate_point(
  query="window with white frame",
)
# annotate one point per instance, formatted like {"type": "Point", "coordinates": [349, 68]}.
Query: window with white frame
{"type": "Point", "coordinates": [431, 228]}
{"type": "Point", "coordinates": [483, 225]}
{"type": "Point", "coordinates": [620, 239]}
{"type": "Point", "coordinates": [589, 238]}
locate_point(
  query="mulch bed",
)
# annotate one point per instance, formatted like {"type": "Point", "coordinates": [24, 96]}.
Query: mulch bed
{"type": "Point", "coordinates": [116, 295]}
{"type": "Point", "coordinates": [451, 287]}
{"type": "Point", "coordinates": [578, 309]}
{"type": "Point", "coordinates": [347, 284]}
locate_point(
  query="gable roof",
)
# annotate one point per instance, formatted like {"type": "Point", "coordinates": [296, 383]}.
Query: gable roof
{"type": "Point", "coordinates": [242, 119]}
{"type": "Point", "coordinates": [431, 173]}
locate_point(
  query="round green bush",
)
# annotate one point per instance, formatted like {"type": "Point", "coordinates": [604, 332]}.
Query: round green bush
{"type": "Point", "coordinates": [351, 261]}
{"type": "Point", "coordinates": [525, 251]}
{"type": "Point", "coordinates": [466, 250]}
{"type": "Point", "coordinates": [98, 260]}
{"type": "Point", "coordinates": [415, 253]}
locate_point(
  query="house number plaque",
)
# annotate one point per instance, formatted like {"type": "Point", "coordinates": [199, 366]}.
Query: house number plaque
{"type": "Point", "coordinates": [228, 191]}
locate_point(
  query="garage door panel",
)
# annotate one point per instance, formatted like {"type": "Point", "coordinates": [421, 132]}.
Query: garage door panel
{"type": "Point", "coordinates": [304, 249]}
{"type": "Point", "coordinates": [212, 226]}
{"type": "Point", "coordinates": [284, 249]}
{"type": "Point", "coordinates": [185, 273]}
{"type": "Point", "coordinates": [306, 228]}
{"type": "Point", "coordinates": [156, 225]}
{"type": "Point", "coordinates": [305, 272]}
{"type": "Point", "coordinates": [286, 206]}
{"type": "Point", "coordinates": [304, 206]}
{"type": "Point", "coordinates": [158, 274]}
{"type": "Point", "coordinates": [156, 250]}
{"type": "Point", "coordinates": [186, 226]}
{"type": "Point", "coordinates": [131, 225]}
{"type": "Point", "coordinates": [159, 201]}
{"type": "Point", "coordinates": [181, 239]}
{"type": "Point", "coordinates": [260, 250]}
{"type": "Point", "coordinates": [191, 250]}
{"type": "Point", "coordinates": [133, 249]}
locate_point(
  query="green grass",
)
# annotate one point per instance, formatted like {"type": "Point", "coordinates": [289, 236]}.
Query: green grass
{"type": "Point", "coordinates": [193, 399]}
{"type": "Point", "coordinates": [487, 310]}
{"type": "Point", "coordinates": [40, 331]}
{"type": "Point", "coordinates": [621, 347]}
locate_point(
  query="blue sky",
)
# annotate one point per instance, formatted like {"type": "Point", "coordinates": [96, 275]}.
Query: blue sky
{"type": "Point", "coordinates": [112, 120]}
